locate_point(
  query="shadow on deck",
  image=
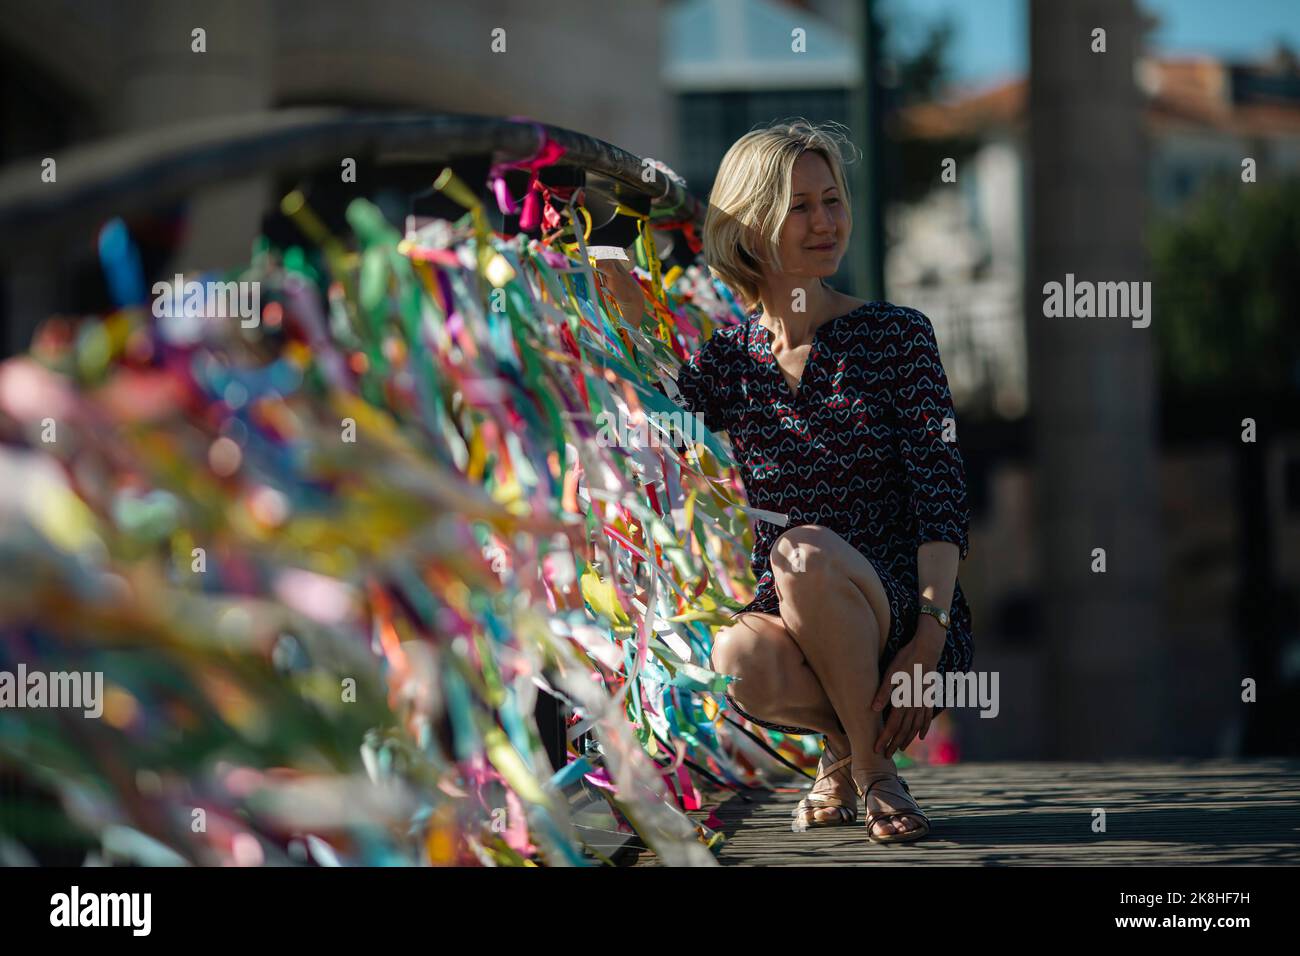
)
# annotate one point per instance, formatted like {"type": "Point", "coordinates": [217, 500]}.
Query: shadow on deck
{"type": "Point", "coordinates": [1167, 812]}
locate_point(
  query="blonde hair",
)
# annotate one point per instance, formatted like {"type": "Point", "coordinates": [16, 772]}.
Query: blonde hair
{"type": "Point", "coordinates": [750, 199]}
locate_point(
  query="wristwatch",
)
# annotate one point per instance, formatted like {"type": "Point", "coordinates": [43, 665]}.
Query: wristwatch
{"type": "Point", "coordinates": [938, 613]}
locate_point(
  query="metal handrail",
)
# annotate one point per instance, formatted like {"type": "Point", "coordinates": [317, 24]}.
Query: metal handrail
{"type": "Point", "coordinates": [98, 180]}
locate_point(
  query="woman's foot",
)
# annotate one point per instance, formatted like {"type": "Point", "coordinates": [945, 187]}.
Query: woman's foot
{"type": "Point", "coordinates": [885, 798]}
{"type": "Point", "coordinates": [836, 784]}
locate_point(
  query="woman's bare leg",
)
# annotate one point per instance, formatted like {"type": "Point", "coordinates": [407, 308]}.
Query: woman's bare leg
{"type": "Point", "coordinates": [776, 684]}
{"type": "Point", "coordinates": [836, 610]}
{"type": "Point", "coordinates": [833, 609]}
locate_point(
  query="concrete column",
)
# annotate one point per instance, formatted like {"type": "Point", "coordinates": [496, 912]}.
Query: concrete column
{"type": "Point", "coordinates": [165, 82]}
{"type": "Point", "coordinates": [1092, 388]}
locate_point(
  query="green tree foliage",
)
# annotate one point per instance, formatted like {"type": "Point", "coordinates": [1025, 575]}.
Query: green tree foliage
{"type": "Point", "coordinates": [1226, 281]}
{"type": "Point", "coordinates": [917, 57]}
{"type": "Point", "coordinates": [916, 67]}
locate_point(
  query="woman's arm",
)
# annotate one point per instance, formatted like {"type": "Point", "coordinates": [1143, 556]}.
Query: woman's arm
{"type": "Point", "coordinates": [622, 285]}
{"type": "Point", "coordinates": [700, 380]}
{"type": "Point", "coordinates": [927, 438]}
{"type": "Point", "coordinates": [936, 475]}
{"type": "Point", "coordinates": [936, 575]}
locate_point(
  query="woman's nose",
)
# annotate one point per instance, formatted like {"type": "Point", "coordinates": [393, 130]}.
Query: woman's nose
{"type": "Point", "coordinates": [821, 222]}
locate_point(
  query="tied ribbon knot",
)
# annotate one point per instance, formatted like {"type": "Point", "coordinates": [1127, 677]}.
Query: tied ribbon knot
{"type": "Point", "coordinates": [687, 228]}
{"type": "Point", "coordinates": [548, 153]}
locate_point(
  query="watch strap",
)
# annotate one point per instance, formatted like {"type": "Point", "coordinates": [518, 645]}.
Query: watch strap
{"type": "Point", "coordinates": [938, 613]}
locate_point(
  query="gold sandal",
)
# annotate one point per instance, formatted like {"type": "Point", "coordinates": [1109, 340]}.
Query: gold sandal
{"type": "Point", "coordinates": [804, 813]}
{"type": "Point", "coordinates": [906, 798]}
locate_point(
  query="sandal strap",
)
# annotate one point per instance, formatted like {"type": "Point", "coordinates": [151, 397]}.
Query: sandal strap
{"type": "Point", "coordinates": [834, 768]}
{"type": "Point", "coordinates": [874, 818]}
{"type": "Point", "coordinates": [823, 800]}
{"type": "Point", "coordinates": [816, 801]}
{"type": "Point", "coordinates": [880, 778]}
{"type": "Point", "coordinates": [906, 797]}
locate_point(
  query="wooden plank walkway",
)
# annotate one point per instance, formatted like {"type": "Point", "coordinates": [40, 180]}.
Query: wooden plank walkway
{"type": "Point", "coordinates": [1178, 812]}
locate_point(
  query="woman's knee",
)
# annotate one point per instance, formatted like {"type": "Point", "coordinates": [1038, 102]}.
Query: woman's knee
{"type": "Point", "coordinates": [757, 658]}
{"type": "Point", "coordinates": [811, 563]}
{"type": "Point", "coordinates": [807, 556]}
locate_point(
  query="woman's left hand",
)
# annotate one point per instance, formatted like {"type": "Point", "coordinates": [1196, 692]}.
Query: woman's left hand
{"type": "Point", "coordinates": [925, 648]}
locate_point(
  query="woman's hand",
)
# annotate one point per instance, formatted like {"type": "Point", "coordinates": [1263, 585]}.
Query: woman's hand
{"type": "Point", "coordinates": [622, 284]}
{"type": "Point", "coordinates": [925, 648]}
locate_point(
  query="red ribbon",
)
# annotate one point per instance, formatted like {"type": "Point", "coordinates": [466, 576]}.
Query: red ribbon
{"type": "Point", "coordinates": [687, 227]}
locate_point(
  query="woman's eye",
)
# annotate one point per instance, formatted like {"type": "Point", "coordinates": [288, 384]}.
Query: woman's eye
{"type": "Point", "coordinates": [831, 201]}
{"type": "Point", "coordinates": [796, 208]}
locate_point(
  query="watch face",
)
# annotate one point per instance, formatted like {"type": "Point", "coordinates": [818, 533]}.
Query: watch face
{"type": "Point", "coordinates": [939, 615]}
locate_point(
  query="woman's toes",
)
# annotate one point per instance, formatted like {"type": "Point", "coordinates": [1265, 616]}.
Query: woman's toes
{"type": "Point", "coordinates": [903, 824]}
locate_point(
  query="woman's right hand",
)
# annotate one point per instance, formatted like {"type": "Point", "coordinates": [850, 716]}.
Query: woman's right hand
{"type": "Point", "coordinates": [623, 285]}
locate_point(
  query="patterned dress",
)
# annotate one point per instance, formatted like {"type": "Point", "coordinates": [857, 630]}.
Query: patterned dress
{"type": "Point", "coordinates": [859, 448]}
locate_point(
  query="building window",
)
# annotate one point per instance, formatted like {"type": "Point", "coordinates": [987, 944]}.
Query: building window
{"type": "Point", "coordinates": [710, 122]}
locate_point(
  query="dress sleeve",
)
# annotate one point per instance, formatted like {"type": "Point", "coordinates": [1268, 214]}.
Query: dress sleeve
{"type": "Point", "coordinates": [702, 382]}
{"type": "Point", "coordinates": [934, 467]}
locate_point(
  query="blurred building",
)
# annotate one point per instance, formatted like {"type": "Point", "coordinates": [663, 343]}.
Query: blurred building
{"type": "Point", "coordinates": [728, 64]}
{"type": "Point", "coordinates": [75, 71]}
{"type": "Point", "coordinates": [734, 65]}
{"type": "Point", "coordinates": [959, 253]}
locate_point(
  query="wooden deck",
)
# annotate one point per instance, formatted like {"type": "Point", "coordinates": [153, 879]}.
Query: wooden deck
{"type": "Point", "coordinates": [1169, 812]}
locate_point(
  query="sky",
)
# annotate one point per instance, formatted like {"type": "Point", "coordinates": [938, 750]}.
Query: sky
{"type": "Point", "coordinates": [992, 34]}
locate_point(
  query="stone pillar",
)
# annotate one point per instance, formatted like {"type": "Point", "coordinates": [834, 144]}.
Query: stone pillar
{"type": "Point", "coordinates": [165, 82]}
{"type": "Point", "coordinates": [1092, 388]}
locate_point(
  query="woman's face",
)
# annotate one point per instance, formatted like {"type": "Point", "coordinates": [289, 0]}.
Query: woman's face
{"type": "Point", "coordinates": [816, 232]}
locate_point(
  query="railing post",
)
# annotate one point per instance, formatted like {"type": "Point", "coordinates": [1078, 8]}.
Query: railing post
{"type": "Point", "coordinates": [551, 718]}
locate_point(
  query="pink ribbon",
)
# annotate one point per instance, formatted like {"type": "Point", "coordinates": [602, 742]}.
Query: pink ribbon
{"type": "Point", "coordinates": [547, 154]}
